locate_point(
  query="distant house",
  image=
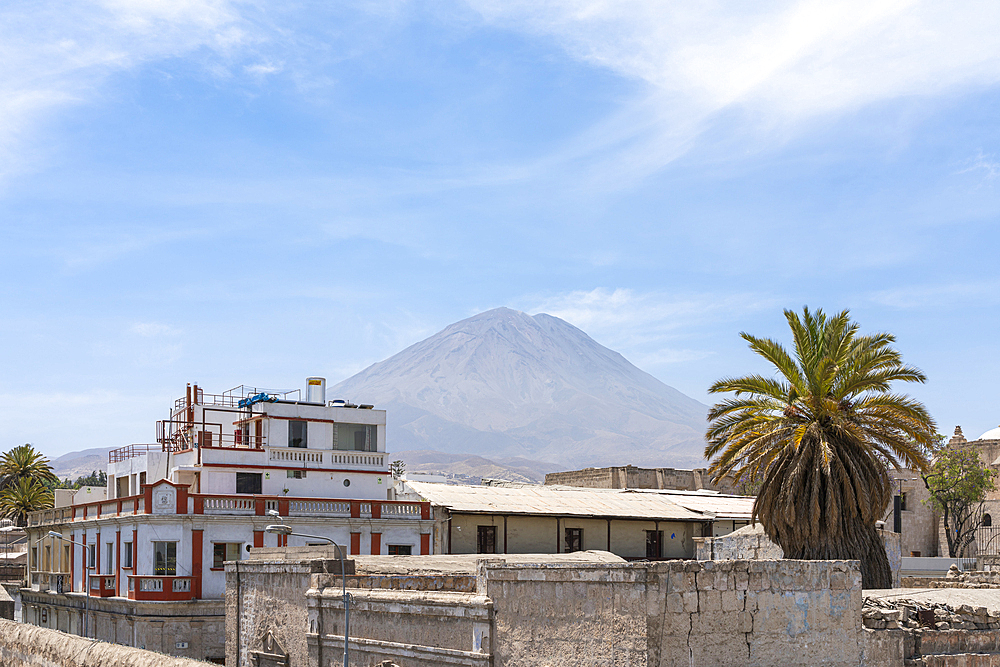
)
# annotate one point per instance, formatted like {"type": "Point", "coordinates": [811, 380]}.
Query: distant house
{"type": "Point", "coordinates": [523, 519]}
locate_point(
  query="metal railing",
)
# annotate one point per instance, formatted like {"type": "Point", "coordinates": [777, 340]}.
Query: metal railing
{"type": "Point", "coordinates": [131, 451]}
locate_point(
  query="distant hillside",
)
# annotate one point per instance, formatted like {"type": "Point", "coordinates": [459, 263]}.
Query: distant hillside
{"type": "Point", "coordinates": [81, 464]}
{"type": "Point", "coordinates": [503, 385]}
{"type": "Point", "coordinates": [471, 469]}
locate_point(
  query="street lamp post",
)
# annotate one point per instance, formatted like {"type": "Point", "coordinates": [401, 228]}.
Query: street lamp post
{"type": "Point", "coordinates": [282, 529]}
{"type": "Point", "coordinates": [86, 574]}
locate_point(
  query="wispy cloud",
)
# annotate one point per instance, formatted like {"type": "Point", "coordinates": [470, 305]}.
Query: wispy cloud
{"type": "Point", "coordinates": [648, 325]}
{"type": "Point", "coordinates": [987, 167]}
{"type": "Point", "coordinates": [939, 296]}
{"type": "Point", "coordinates": [780, 63]}
{"type": "Point", "coordinates": [59, 53]}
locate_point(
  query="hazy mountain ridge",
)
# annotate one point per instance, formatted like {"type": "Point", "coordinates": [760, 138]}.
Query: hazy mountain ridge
{"type": "Point", "coordinates": [506, 384]}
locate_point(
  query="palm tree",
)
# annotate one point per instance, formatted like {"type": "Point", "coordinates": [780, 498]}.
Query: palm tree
{"type": "Point", "coordinates": [24, 496]}
{"type": "Point", "coordinates": [820, 436]}
{"type": "Point", "coordinates": [24, 461]}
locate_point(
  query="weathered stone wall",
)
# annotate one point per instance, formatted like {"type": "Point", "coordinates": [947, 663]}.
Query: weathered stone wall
{"type": "Point", "coordinates": [567, 616]}
{"type": "Point", "coordinates": [631, 477]}
{"type": "Point", "coordinates": [263, 596]}
{"type": "Point", "coordinates": [180, 629]}
{"type": "Point", "coordinates": [677, 613]}
{"type": "Point", "coordinates": [752, 543]}
{"type": "Point", "coordinates": [413, 627]}
{"type": "Point", "coordinates": [662, 614]}
{"type": "Point", "coordinates": [22, 644]}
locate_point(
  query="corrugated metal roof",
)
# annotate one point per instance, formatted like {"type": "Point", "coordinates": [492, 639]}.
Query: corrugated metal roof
{"type": "Point", "coordinates": [556, 501]}
{"type": "Point", "coordinates": [724, 507]}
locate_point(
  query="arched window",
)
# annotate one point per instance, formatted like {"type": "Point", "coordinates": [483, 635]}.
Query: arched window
{"type": "Point", "coordinates": [987, 520]}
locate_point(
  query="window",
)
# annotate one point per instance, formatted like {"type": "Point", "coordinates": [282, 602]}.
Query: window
{"type": "Point", "coordinates": [355, 437]}
{"type": "Point", "coordinates": [654, 540]}
{"type": "Point", "coordinates": [34, 558]}
{"type": "Point", "coordinates": [400, 550]}
{"type": "Point", "coordinates": [165, 558]}
{"type": "Point", "coordinates": [91, 555]}
{"type": "Point", "coordinates": [109, 562]}
{"type": "Point", "coordinates": [249, 482]}
{"type": "Point", "coordinates": [296, 474]}
{"type": "Point", "coordinates": [574, 539]}
{"type": "Point", "coordinates": [66, 563]}
{"type": "Point", "coordinates": [127, 555]}
{"type": "Point", "coordinates": [297, 434]}
{"type": "Point", "coordinates": [987, 520]}
{"type": "Point", "coordinates": [902, 502]}
{"type": "Point", "coordinates": [486, 540]}
{"type": "Point", "coordinates": [223, 551]}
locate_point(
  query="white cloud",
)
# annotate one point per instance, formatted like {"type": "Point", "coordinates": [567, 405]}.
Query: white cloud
{"type": "Point", "coordinates": [642, 324]}
{"type": "Point", "coordinates": [986, 166]}
{"type": "Point", "coordinates": [939, 296]}
{"type": "Point", "coordinates": [59, 53]}
{"type": "Point", "coordinates": [780, 63]}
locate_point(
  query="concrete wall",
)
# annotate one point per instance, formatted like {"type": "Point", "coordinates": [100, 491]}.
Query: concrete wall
{"type": "Point", "coordinates": [28, 645]}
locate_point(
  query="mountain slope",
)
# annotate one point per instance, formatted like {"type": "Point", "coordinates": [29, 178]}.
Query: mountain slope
{"type": "Point", "coordinates": [506, 384]}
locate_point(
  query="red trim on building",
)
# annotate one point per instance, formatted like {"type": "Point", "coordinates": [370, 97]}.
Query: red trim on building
{"type": "Point", "coordinates": [166, 594]}
{"type": "Point", "coordinates": [376, 544]}
{"type": "Point", "coordinates": [425, 511]}
{"type": "Point", "coordinates": [199, 504]}
{"type": "Point", "coordinates": [355, 510]}
{"type": "Point", "coordinates": [97, 548]}
{"type": "Point", "coordinates": [182, 500]}
{"type": "Point", "coordinates": [376, 510]}
{"type": "Point", "coordinates": [258, 538]}
{"type": "Point", "coordinates": [283, 508]}
{"type": "Point", "coordinates": [355, 544]}
{"type": "Point", "coordinates": [118, 559]}
{"type": "Point", "coordinates": [247, 466]}
{"type": "Point", "coordinates": [259, 506]}
{"type": "Point", "coordinates": [425, 544]}
{"type": "Point", "coordinates": [147, 498]}
{"type": "Point", "coordinates": [197, 553]}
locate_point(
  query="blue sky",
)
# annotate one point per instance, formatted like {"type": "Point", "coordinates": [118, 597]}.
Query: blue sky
{"type": "Point", "coordinates": [250, 192]}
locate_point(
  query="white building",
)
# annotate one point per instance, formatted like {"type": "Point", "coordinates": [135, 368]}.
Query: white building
{"type": "Point", "coordinates": [224, 466]}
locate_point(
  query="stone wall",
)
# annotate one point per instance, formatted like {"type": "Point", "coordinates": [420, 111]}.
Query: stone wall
{"type": "Point", "coordinates": [631, 477]}
{"type": "Point", "coordinates": [182, 629]}
{"type": "Point", "coordinates": [752, 543]}
{"type": "Point", "coordinates": [22, 644]}
{"type": "Point", "coordinates": [661, 614]}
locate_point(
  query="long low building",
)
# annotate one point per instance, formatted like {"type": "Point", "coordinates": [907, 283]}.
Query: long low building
{"type": "Point", "coordinates": [518, 519]}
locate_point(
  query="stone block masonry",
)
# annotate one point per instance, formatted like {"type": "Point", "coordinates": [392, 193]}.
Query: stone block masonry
{"type": "Point", "coordinates": [22, 644]}
{"type": "Point", "coordinates": [660, 614]}
{"type": "Point", "coordinates": [677, 613]}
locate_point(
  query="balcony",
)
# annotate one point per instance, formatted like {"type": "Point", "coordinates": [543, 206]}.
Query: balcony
{"type": "Point", "coordinates": [103, 585]}
{"type": "Point", "coordinates": [240, 505]}
{"type": "Point", "coordinates": [160, 588]}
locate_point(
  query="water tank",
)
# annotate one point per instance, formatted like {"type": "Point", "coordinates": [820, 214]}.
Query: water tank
{"type": "Point", "coordinates": [316, 390]}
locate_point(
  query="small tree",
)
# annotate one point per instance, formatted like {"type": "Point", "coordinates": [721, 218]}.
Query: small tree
{"type": "Point", "coordinates": [397, 468]}
{"type": "Point", "coordinates": [958, 482]}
